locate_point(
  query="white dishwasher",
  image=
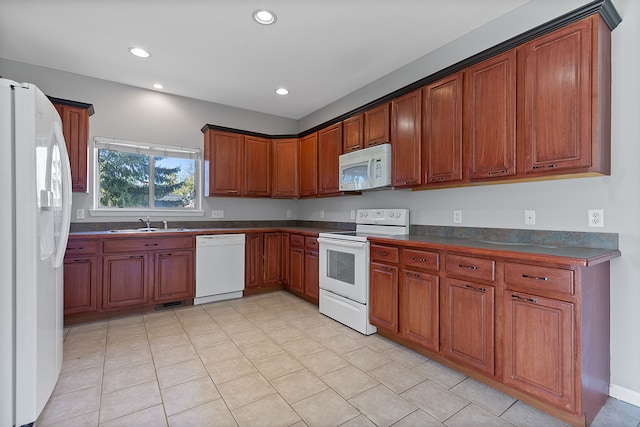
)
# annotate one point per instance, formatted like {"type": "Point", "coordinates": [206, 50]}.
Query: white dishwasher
{"type": "Point", "coordinates": [219, 267]}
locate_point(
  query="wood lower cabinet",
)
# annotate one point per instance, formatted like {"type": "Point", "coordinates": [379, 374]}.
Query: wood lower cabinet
{"type": "Point", "coordinates": [285, 259]}
{"type": "Point", "coordinates": [253, 264]}
{"type": "Point", "coordinates": [285, 168]}
{"type": "Point", "coordinates": [312, 275]}
{"type": "Point", "coordinates": [406, 137]}
{"type": "Point", "coordinates": [304, 267]}
{"type": "Point", "coordinates": [296, 265]}
{"type": "Point", "coordinates": [125, 280]}
{"type": "Point", "coordinates": [223, 163]}
{"type": "Point", "coordinates": [173, 276]}
{"type": "Point", "coordinates": [383, 296]}
{"type": "Point", "coordinates": [263, 262]}
{"type": "Point", "coordinates": [308, 165]}
{"type": "Point", "coordinates": [272, 258]}
{"type": "Point", "coordinates": [80, 284]}
{"type": "Point", "coordinates": [420, 308]}
{"type": "Point", "coordinates": [329, 150]}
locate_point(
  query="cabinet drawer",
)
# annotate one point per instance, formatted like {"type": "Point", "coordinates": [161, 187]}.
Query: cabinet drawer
{"type": "Point", "coordinates": [421, 259]}
{"type": "Point", "coordinates": [384, 253]}
{"type": "Point", "coordinates": [311, 243]}
{"type": "Point", "coordinates": [536, 278]}
{"type": "Point", "coordinates": [473, 268]}
{"type": "Point", "coordinates": [297, 240]}
{"type": "Point", "coordinates": [148, 244]}
{"type": "Point", "coordinates": [81, 247]}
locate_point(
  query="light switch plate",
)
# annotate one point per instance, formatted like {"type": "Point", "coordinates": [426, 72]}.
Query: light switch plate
{"type": "Point", "coordinates": [217, 214]}
{"type": "Point", "coordinates": [530, 217]}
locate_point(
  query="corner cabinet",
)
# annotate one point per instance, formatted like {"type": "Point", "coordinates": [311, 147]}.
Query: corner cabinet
{"type": "Point", "coordinates": [223, 163]}
{"type": "Point", "coordinates": [75, 128]}
{"type": "Point", "coordinates": [257, 166]}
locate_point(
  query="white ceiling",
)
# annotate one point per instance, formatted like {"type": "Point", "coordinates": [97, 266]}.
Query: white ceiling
{"type": "Point", "coordinates": [212, 50]}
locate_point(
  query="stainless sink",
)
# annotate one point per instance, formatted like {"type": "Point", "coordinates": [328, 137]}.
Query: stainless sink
{"type": "Point", "coordinates": [147, 230]}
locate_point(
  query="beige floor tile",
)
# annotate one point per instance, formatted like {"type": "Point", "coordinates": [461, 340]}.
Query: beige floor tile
{"type": "Point", "coordinates": [134, 319]}
{"type": "Point", "coordinates": [180, 373]}
{"type": "Point", "coordinates": [248, 337]}
{"type": "Point", "coordinates": [359, 421]}
{"type": "Point", "coordinates": [473, 414]}
{"type": "Point", "coordinates": [172, 329]}
{"type": "Point", "coordinates": [230, 369]}
{"type": "Point", "coordinates": [379, 343]}
{"type": "Point", "coordinates": [305, 321]}
{"type": "Point", "coordinates": [173, 355]}
{"type": "Point", "coordinates": [120, 332]}
{"type": "Point", "coordinates": [194, 318]}
{"type": "Point", "coordinates": [118, 343]}
{"type": "Point", "coordinates": [322, 332]}
{"type": "Point", "coordinates": [72, 362]}
{"type": "Point", "coordinates": [208, 340]}
{"type": "Point", "coordinates": [223, 313]}
{"type": "Point", "coordinates": [89, 326]}
{"type": "Point", "coordinates": [325, 408]}
{"type": "Point", "coordinates": [407, 358]}
{"type": "Point", "coordinates": [435, 400]}
{"type": "Point", "coordinates": [122, 359]}
{"type": "Point", "coordinates": [159, 318]}
{"type": "Point", "coordinates": [71, 405]}
{"type": "Point", "coordinates": [237, 326]}
{"type": "Point", "coordinates": [349, 381]}
{"type": "Point", "coordinates": [396, 377]}
{"type": "Point", "coordinates": [439, 374]}
{"type": "Point", "coordinates": [278, 365]}
{"type": "Point", "coordinates": [214, 413]}
{"type": "Point", "coordinates": [123, 378]}
{"type": "Point", "coordinates": [246, 306]}
{"type": "Point", "coordinates": [219, 352]}
{"type": "Point", "coordinates": [272, 411]}
{"type": "Point", "coordinates": [323, 362]}
{"type": "Point", "coordinates": [523, 415]}
{"type": "Point", "coordinates": [149, 417]}
{"type": "Point", "coordinates": [484, 396]}
{"type": "Point", "coordinates": [342, 343]}
{"type": "Point", "coordinates": [129, 400]}
{"type": "Point", "coordinates": [88, 339]}
{"type": "Point", "coordinates": [169, 342]}
{"type": "Point", "coordinates": [262, 350]}
{"type": "Point", "coordinates": [285, 334]}
{"type": "Point", "coordinates": [244, 390]}
{"type": "Point", "coordinates": [89, 419]}
{"type": "Point", "coordinates": [189, 395]}
{"type": "Point", "coordinates": [201, 328]}
{"type": "Point", "coordinates": [366, 359]}
{"type": "Point", "coordinates": [610, 417]}
{"type": "Point", "coordinates": [422, 419]}
{"type": "Point", "coordinates": [382, 406]}
{"type": "Point", "coordinates": [260, 317]}
{"type": "Point", "coordinates": [298, 385]}
{"type": "Point", "coordinates": [303, 347]}
{"type": "Point", "coordinates": [272, 324]}
{"type": "Point", "coordinates": [78, 380]}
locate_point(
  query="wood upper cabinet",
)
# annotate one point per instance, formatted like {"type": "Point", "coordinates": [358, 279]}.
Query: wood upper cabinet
{"type": "Point", "coordinates": [285, 168]}
{"type": "Point", "coordinates": [376, 125]}
{"type": "Point", "coordinates": [257, 166]}
{"type": "Point", "coordinates": [564, 110]}
{"type": "Point", "coordinates": [173, 276]}
{"type": "Point", "coordinates": [539, 347]}
{"type": "Point", "coordinates": [308, 165]}
{"type": "Point", "coordinates": [75, 128]}
{"type": "Point", "coordinates": [329, 150]}
{"type": "Point", "coordinates": [406, 148]}
{"type": "Point", "coordinates": [224, 163]}
{"type": "Point", "coordinates": [353, 133]}
{"type": "Point", "coordinates": [383, 296]}
{"type": "Point", "coordinates": [490, 118]}
{"type": "Point", "coordinates": [420, 308]}
{"type": "Point", "coordinates": [442, 130]}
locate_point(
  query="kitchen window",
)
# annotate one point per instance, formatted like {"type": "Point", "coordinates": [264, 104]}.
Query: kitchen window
{"type": "Point", "coordinates": [133, 176]}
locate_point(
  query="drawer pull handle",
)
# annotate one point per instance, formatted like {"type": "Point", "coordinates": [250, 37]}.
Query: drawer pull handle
{"type": "Point", "coordinates": [551, 166]}
{"type": "Point", "coordinates": [151, 244]}
{"type": "Point", "coordinates": [79, 260]}
{"type": "Point", "coordinates": [476, 288]}
{"type": "Point", "coordinates": [136, 257]}
{"type": "Point", "coordinates": [387, 269]}
{"type": "Point", "coordinates": [518, 297]}
{"type": "Point", "coordinates": [501, 172]}
{"type": "Point", "coordinates": [166, 255]}
{"type": "Point", "coordinates": [412, 274]}
{"type": "Point", "coordinates": [382, 253]}
{"type": "Point", "coordinates": [418, 259]}
{"type": "Point", "coordinates": [75, 249]}
{"type": "Point", "coordinates": [470, 267]}
{"type": "Point", "coordinates": [526, 276]}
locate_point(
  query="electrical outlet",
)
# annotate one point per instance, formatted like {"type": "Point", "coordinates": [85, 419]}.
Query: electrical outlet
{"type": "Point", "coordinates": [457, 217]}
{"type": "Point", "coordinates": [529, 217]}
{"type": "Point", "coordinates": [217, 214]}
{"type": "Point", "coordinates": [80, 213]}
{"type": "Point", "coordinates": [595, 217]}
{"type": "Point", "coordinates": [353, 214]}
{"type": "Point", "coordinates": [288, 213]}
{"type": "Point", "coordinates": [322, 213]}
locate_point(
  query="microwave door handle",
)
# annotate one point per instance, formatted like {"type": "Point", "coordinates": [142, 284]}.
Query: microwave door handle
{"type": "Point", "coordinates": [370, 169]}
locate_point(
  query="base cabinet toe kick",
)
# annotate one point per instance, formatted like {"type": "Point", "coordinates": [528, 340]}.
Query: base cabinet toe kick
{"type": "Point", "coordinates": [536, 328]}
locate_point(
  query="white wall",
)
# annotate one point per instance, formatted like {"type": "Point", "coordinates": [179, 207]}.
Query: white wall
{"type": "Point", "coordinates": [559, 205]}
{"type": "Point", "coordinates": [131, 113]}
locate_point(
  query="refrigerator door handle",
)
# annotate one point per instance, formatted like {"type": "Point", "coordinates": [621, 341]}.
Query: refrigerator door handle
{"type": "Point", "coordinates": [66, 197]}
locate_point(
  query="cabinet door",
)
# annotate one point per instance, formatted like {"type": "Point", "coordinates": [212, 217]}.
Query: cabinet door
{"type": "Point", "coordinates": [312, 275]}
{"type": "Point", "coordinates": [257, 166]}
{"type": "Point", "coordinates": [308, 165]}
{"type": "Point", "coordinates": [383, 296]}
{"type": "Point", "coordinates": [442, 124]}
{"type": "Point", "coordinates": [80, 286]}
{"type": "Point", "coordinates": [125, 280]}
{"type": "Point", "coordinates": [539, 347]}
{"type": "Point", "coordinates": [490, 117]}
{"type": "Point", "coordinates": [353, 133]}
{"type": "Point", "coordinates": [272, 260]}
{"type": "Point", "coordinates": [405, 138]}
{"type": "Point", "coordinates": [556, 97]}
{"type": "Point", "coordinates": [173, 278]}
{"type": "Point", "coordinates": [75, 128]}
{"type": "Point", "coordinates": [468, 328]}
{"type": "Point", "coordinates": [285, 168]}
{"type": "Point", "coordinates": [419, 308]}
{"type": "Point", "coordinates": [296, 264]}
{"type": "Point", "coordinates": [253, 260]}
{"type": "Point", "coordinates": [376, 125]}
{"type": "Point", "coordinates": [286, 247]}
{"type": "Point", "coordinates": [329, 149]}
{"type": "Point", "coordinates": [224, 161]}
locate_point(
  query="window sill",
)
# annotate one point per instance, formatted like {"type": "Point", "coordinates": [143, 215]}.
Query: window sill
{"type": "Point", "coordinates": [145, 212]}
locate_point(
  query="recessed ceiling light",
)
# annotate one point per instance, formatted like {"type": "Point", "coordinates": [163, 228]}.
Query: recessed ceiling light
{"type": "Point", "coordinates": [139, 52]}
{"type": "Point", "coordinates": [282, 91]}
{"type": "Point", "coordinates": [158, 86]}
{"type": "Point", "coordinates": [264, 17]}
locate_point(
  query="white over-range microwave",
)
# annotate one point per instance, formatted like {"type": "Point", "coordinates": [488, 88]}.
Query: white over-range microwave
{"type": "Point", "coordinates": [366, 169]}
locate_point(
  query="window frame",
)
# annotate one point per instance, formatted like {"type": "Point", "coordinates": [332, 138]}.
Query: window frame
{"type": "Point", "coordinates": [150, 149]}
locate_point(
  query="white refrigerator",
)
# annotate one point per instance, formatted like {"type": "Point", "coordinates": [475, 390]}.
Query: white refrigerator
{"type": "Point", "coordinates": [35, 198]}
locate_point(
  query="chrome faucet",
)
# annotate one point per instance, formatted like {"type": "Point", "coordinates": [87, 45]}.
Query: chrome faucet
{"type": "Point", "coordinates": [147, 222]}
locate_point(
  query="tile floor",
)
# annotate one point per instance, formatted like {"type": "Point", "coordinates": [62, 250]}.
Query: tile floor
{"type": "Point", "coordinates": [268, 360]}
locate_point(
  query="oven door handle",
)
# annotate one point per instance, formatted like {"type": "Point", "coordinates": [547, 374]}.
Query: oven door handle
{"type": "Point", "coordinates": [342, 243]}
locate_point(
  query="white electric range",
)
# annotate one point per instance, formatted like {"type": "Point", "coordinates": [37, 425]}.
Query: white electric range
{"type": "Point", "coordinates": [344, 266]}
